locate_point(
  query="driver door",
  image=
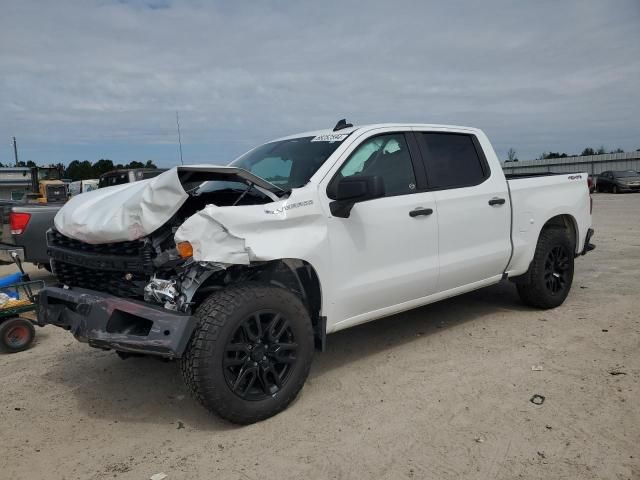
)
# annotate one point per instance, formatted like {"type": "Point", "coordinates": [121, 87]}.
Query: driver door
{"type": "Point", "coordinates": [385, 254]}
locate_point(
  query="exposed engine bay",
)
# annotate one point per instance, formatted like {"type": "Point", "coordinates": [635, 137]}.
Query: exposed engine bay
{"type": "Point", "coordinates": [150, 267]}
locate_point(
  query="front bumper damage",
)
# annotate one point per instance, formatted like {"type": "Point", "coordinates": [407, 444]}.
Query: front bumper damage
{"type": "Point", "coordinates": [110, 322]}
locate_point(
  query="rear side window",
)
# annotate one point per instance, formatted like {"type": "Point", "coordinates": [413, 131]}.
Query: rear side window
{"type": "Point", "coordinates": [451, 160]}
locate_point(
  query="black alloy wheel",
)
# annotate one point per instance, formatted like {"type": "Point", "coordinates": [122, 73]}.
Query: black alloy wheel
{"type": "Point", "coordinates": [250, 352]}
{"type": "Point", "coordinates": [556, 268]}
{"type": "Point", "coordinates": [260, 356]}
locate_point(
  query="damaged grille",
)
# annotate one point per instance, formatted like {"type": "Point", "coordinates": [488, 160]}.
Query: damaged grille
{"type": "Point", "coordinates": [122, 268]}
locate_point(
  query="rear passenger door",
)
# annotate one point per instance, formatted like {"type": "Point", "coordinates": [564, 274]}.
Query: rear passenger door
{"type": "Point", "coordinates": [473, 208]}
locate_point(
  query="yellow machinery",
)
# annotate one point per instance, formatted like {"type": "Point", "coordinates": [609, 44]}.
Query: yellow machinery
{"type": "Point", "coordinates": [47, 185]}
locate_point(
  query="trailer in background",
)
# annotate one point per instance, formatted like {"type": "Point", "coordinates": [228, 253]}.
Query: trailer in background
{"type": "Point", "coordinates": [82, 186]}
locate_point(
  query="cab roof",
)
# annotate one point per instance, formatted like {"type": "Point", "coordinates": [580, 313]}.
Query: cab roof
{"type": "Point", "coordinates": [373, 126]}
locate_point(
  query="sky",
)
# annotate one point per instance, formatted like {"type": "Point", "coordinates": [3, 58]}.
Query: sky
{"type": "Point", "coordinates": [91, 79]}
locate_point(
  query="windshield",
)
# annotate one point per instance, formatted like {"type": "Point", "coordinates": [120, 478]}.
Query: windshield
{"type": "Point", "coordinates": [628, 173]}
{"type": "Point", "coordinates": [45, 173]}
{"type": "Point", "coordinates": [289, 163]}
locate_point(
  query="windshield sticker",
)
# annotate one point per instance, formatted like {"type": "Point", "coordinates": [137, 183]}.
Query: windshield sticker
{"type": "Point", "coordinates": [330, 137]}
{"type": "Point", "coordinates": [290, 206]}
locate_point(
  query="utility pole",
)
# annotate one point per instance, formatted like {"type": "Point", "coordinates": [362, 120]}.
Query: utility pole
{"type": "Point", "coordinates": [15, 150]}
{"type": "Point", "coordinates": [179, 137]}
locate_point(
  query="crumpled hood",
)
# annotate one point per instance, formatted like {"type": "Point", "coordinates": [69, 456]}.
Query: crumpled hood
{"type": "Point", "coordinates": [122, 212]}
{"type": "Point", "coordinates": [134, 210]}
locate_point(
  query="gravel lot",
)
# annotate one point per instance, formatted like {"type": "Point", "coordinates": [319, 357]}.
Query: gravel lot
{"type": "Point", "coordinates": [440, 392]}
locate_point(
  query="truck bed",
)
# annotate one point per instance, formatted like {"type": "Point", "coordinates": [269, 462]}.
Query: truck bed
{"type": "Point", "coordinates": [549, 194]}
{"type": "Point", "coordinates": [516, 176]}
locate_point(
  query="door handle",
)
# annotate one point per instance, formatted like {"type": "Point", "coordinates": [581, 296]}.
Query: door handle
{"type": "Point", "coordinates": [497, 201]}
{"type": "Point", "coordinates": [420, 211]}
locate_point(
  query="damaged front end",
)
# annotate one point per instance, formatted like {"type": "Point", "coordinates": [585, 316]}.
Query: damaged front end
{"type": "Point", "coordinates": [133, 297]}
{"type": "Point", "coordinates": [136, 295]}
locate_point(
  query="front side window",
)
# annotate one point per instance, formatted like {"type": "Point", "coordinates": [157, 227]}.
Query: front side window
{"type": "Point", "coordinates": [451, 160]}
{"type": "Point", "coordinates": [386, 156]}
{"type": "Point", "coordinates": [289, 163]}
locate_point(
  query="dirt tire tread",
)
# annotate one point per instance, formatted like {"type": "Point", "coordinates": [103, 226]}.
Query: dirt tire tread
{"type": "Point", "coordinates": [534, 293]}
{"type": "Point", "coordinates": [212, 315]}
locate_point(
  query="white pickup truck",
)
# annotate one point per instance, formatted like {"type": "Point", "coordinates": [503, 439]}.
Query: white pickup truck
{"type": "Point", "coordinates": [240, 272]}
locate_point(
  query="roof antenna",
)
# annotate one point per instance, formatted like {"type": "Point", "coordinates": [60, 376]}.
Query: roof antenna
{"type": "Point", "coordinates": [342, 124]}
{"type": "Point", "coordinates": [179, 137]}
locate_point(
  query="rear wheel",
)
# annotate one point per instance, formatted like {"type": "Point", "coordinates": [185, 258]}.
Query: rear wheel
{"type": "Point", "coordinates": [250, 353]}
{"type": "Point", "coordinates": [551, 271]}
{"type": "Point", "coordinates": [16, 335]}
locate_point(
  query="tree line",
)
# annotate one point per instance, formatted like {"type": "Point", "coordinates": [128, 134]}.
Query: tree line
{"type": "Point", "coordinates": [512, 155]}
{"type": "Point", "coordinates": [77, 170]}
{"type": "Point", "coordinates": [84, 170]}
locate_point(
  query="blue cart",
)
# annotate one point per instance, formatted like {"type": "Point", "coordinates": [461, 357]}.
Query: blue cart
{"type": "Point", "coordinates": [18, 296]}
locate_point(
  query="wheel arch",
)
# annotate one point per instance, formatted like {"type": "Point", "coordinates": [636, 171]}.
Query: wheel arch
{"type": "Point", "coordinates": [301, 278]}
{"type": "Point", "coordinates": [293, 274]}
{"type": "Point", "coordinates": [566, 221]}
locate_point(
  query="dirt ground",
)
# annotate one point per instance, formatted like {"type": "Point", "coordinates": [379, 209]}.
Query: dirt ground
{"type": "Point", "coordinates": [440, 392]}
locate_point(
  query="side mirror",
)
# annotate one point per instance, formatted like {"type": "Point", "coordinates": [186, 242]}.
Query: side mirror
{"type": "Point", "coordinates": [351, 190]}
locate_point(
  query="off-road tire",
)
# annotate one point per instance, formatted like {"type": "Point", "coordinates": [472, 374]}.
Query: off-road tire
{"type": "Point", "coordinates": [536, 292]}
{"type": "Point", "coordinates": [218, 317]}
{"type": "Point", "coordinates": [8, 329]}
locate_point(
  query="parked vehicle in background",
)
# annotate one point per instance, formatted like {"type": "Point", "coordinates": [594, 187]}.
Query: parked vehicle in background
{"type": "Point", "coordinates": [118, 177]}
{"type": "Point", "coordinates": [25, 225]}
{"type": "Point", "coordinates": [28, 224]}
{"type": "Point", "coordinates": [47, 185]}
{"type": "Point", "coordinates": [82, 186]}
{"type": "Point", "coordinates": [618, 181]}
{"type": "Point", "coordinates": [239, 271]}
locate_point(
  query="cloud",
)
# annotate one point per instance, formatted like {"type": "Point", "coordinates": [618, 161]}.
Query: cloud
{"type": "Point", "coordinates": [106, 77]}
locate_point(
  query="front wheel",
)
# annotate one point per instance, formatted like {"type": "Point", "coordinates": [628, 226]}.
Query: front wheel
{"type": "Point", "coordinates": [250, 353]}
{"type": "Point", "coordinates": [550, 272]}
{"type": "Point", "coordinates": [615, 189]}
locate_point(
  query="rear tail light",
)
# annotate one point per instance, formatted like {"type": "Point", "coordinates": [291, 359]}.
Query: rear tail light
{"type": "Point", "coordinates": [18, 222]}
